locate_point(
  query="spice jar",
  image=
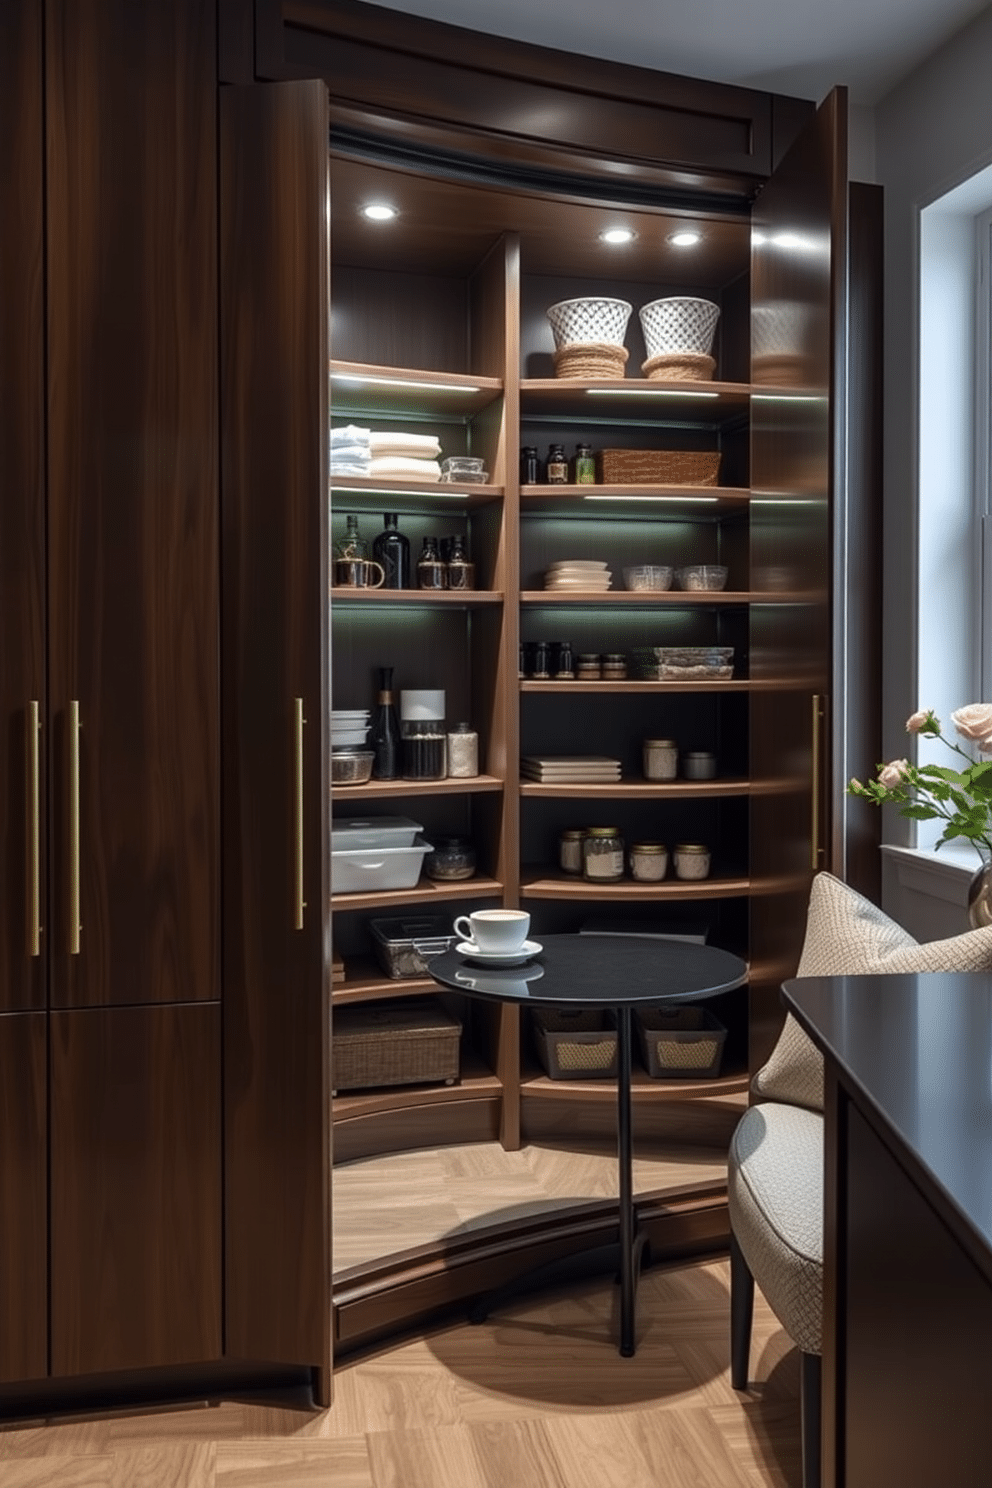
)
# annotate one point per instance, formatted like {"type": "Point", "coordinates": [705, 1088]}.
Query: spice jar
{"type": "Point", "coordinates": [648, 861]}
{"type": "Point", "coordinates": [453, 859]}
{"type": "Point", "coordinates": [563, 663]}
{"type": "Point", "coordinates": [570, 849]}
{"type": "Point", "coordinates": [585, 466]}
{"type": "Point", "coordinates": [588, 669]}
{"type": "Point", "coordinates": [699, 764]}
{"type": "Point", "coordinates": [463, 751]}
{"type": "Point", "coordinates": [692, 860]}
{"type": "Point", "coordinates": [542, 660]}
{"type": "Point", "coordinates": [661, 759]}
{"type": "Point", "coordinates": [613, 666]}
{"type": "Point", "coordinates": [530, 466]}
{"type": "Point", "coordinates": [556, 468]}
{"type": "Point", "coordinates": [602, 854]}
{"type": "Point", "coordinates": [430, 566]}
{"type": "Point", "coordinates": [460, 572]}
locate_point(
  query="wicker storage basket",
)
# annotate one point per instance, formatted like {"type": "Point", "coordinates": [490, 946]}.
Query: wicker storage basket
{"type": "Point", "coordinates": [680, 1043]}
{"type": "Point", "coordinates": [655, 467]}
{"type": "Point", "coordinates": [590, 361]}
{"type": "Point", "coordinates": [679, 366]}
{"type": "Point", "coordinates": [577, 1045]}
{"type": "Point", "coordinates": [400, 1043]}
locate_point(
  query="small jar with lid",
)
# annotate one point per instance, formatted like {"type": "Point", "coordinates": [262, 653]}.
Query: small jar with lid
{"type": "Point", "coordinates": [459, 568]}
{"type": "Point", "coordinates": [588, 668]}
{"type": "Point", "coordinates": [541, 666]}
{"type": "Point", "coordinates": [613, 666]}
{"type": "Point", "coordinates": [430, 566]}
{"type": "Point", "coordinates": [602, 855]}
{"type": "Point", "coordinates": [570, 849]}
{"type": "Point", "coordinates": [556, 468]}
{"type": "Point", "coordinates": [530, 466]}
{"type": "Point", "coordinates": [585, 466]}
{"type": "Point", "coordinates": [463, 751]}
{"type": "Point", "coordinates": [648, 861]}
{"type": "Point", "coordinates": [692, 860]}
{"type": "Point", "coordinates": [699, 764]}
{"type": "Point", "coordinates": [661, 759]}
{"type": "Point", "coordinates": [452, 860]}
{"type": "Point", "coordinates": [562, 661]}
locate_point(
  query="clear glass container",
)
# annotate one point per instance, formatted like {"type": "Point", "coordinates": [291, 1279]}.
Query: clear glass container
{"type": "Point", "coordinates": [460, 568]}
{"type": "Point", "coordinates": [648, 861]}
{"type": "Point", "coordinates": [463, 751]}
{"type": "Point", "coordinates": [602, 855]}
{"type": "Point", "coordinates": [570, 849]}
{"type": "Point", "coordinates": [431, 568]}
{"type": "Point", "coordinates": [692, 860]}
{"type": "Point", "coordinates": [424, 734]}
{"type": "Point", "coordinates": [660, 759]}
{"type": "Point", "coordinates": [453, 859]}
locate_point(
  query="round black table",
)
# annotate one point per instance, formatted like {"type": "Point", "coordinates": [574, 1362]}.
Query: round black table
{"type": "Point", "coordinates": [604, 971]}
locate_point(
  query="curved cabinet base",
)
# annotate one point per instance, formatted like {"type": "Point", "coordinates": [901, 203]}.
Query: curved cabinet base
{"type": "Point", "coordinates": [375, 1301]}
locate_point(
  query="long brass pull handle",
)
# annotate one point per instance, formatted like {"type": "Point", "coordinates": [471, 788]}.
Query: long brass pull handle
{"type": "Point", "coordinates": [298, 816]}
{"type": "Point", "coordinates": [74, 896]}
{"type": "Point", "coordinates": [32, 747]}
{"type": "Point", "coordinates": [816, 805]}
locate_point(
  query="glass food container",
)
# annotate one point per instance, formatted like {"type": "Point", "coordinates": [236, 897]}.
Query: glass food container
{"type": "Point", "coordinates": [661, 759]}
{"type": "Point", "coordinates": [453, 859]}
{"type": "Point", "coordinates": [602, 855]}
{"type": "Point", "coordinates": [570, 849]}
{"type": "Point", "coordinates": [648, 861]}
{"type": "Point", "coordinates": [692, 860]}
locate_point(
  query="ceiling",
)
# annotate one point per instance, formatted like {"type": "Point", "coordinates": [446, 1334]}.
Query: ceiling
{"type": "Point", "coordinates": [799, 47]}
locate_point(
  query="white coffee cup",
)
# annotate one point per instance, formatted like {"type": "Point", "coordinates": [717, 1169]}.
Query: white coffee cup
{"type": "Point", "coordinates": [495, 930]}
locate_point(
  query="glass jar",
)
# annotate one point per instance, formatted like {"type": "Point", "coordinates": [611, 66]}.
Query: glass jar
{"type": "Point", "coordinates": [585, 466]}
{"type": "Point", "coordinates": [648, 861]}
{"type": "Point", "coordinates": [541, 664]}
{"type": "Point", "coordinates": [613, 666]}
{"type": "Point", "coordinates": [463, 751]}
{"type": "Point", "coordinates": [588, 669]}
{"type": "Point", "coordinates": [423, 734]}
{"type": "Point", "coordinates": [460, 568]}
{"type": "Point", "coordinates": [570, 849]}
{"type": "Point", "coordinates": [430, 566]}
{"type": "Point", "coordinates": [562, 661]}
{"type": "Point", "coordinates": [602, 854]}
{"type": "Point", "coordinates": [692, 860]}
{"type": "Point", "coordinates": [453, 859]}
{"type": "Point", "coordinates": [556, 466]}
{"type": "Point", "coordinates": [530, 466]}
{"type": "Point", "coordinates": [661, 759]}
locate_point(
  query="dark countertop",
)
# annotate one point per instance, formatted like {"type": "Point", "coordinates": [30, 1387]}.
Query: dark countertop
{"type": "Point", "coordinates": [915, 1053]}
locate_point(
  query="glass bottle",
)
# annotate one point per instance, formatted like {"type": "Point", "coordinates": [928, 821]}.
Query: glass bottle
{"type": "Point", "coordinates": [602, 854]}
{"type": "Point", "coordinates": [460, 568]}
{"type": "Point", "coordinates": [384, 732]}
{"type": "Point", "coordinates": [352, 545]}
{"type": "Point", "coordinates": [430, 566]}
{"type": "Point", "coordinates": [463, 751]}
{"type": "Point", "coordinates": [392, 550]}
{"type": "Point", "coordinates": [585, 466]}
{"type": "Point", "coordinates": [530, 467]}
{"type": "Point", "coordinates": [556, 469]}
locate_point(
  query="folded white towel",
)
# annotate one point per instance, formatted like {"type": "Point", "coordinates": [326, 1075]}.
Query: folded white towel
{"type": "Point", "coordinates": [399, 441]}
{"type": "Point", "coordinates": [349, 467]}
{"type": "Point", "coordinates": [404, 465]}
{"type": "Point", "coordinates": [350, 434]}
{"type": "Point", "coordinates": [350, 452]}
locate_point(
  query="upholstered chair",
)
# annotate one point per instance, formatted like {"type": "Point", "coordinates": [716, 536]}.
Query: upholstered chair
{"type": "Point", "coordinates": [775, 1172]}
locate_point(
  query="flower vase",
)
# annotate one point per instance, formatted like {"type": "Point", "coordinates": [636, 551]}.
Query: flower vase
{"type": "Point", "coordinates": [980, 894]}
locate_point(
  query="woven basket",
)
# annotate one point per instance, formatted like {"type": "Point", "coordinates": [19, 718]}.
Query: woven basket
{"type": "Point", "coordinates": [654, 467]}
{"type": "Point", "coordinates": [591, 361]}
{"type": "Point", "coordinates": [679, 366]}
{"type": "Point", "coordinates": [404, 1043]}
{"type": "Point", "coordinates": [680, 1043]}
{"type": "Point", "coordinates": [575, 1045]}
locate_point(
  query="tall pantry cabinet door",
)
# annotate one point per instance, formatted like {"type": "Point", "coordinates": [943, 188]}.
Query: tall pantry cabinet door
{"type": "Point", "coordinates": [133, 501]}
{"type": "Point", "coordinates": [23, 1179]}
{"type": "Point", "coordinates": [274, 371]}
{"type": "Point", "coordinates": [798, 310]}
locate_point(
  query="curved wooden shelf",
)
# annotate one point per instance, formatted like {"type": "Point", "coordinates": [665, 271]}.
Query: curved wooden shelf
{"type": "Point", "coordinates": [425, 892]}
{"type": "Point", "coordinates": [375, 790]}
{"type": "Point", "coordinates": [683, 503]}
{"type": "Point", "coordinates": [642, 1087]}
{"type": "Point", "coordinates": [732, 684]}
{"type": "Point", "coordinates": [548, 885]}
{"type": "Point", "coordinates": [475, 1080]}
{"type": "Point", "coordinates": [360, 387]}
{"type": "Point", "coordinates": [708, 405]}
{"type": "Point", "coordinates": [654, 790]}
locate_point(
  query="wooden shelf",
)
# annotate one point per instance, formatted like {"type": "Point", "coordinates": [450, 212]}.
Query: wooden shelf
{"type": "Point", "coordinates": [425, 892]}
{"type": "Point", "coordinates": [465, 599]}
{"type": "Point", "coordinates": [550, 885]}
{"type": "Point", "coordinates": [362, 388]}
{"type": "Point", "coordinates": [637, 400]}
{"type": "Point", "coordinates": [411, 495]}
{"type": "Point", "coordinates": [652, 598]}
{"type": "Point", "coordinates": [672, 503]}
{"type": "Point", "coordinates": [365, 981]}
{"type": "Point", "coordinates": [475, 1080]}
{"type": "Point", "coordinates": [534, 1082]}
{"type": "Point", "coordinates": [732, 684]}
{"type": "Point", "coordinates": [378, 790]}
{"type": "Point", "coordinates": [644, 790]}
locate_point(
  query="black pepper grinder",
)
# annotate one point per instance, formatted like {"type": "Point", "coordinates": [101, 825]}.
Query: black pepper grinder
{"type": "Point", "coordinates": [556, 469]}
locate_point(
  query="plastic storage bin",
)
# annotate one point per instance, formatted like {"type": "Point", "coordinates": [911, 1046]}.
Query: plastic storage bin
{"type": "Point", "coordinates": [373, 831]}
{"type": "Point", "coordinates": [369, 869]}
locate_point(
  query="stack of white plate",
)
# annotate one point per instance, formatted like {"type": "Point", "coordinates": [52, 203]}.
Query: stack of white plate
{"type": "Point", "coordinates": [578, 573]}
{"type": "Point", "coordinates": [349, 727]}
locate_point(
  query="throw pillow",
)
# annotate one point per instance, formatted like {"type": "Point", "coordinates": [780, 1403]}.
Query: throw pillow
{"type": "Point", "coordinates": [847, 935]}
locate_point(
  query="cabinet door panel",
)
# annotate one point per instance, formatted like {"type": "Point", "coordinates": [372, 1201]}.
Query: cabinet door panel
{"type": "Point", "coordinates": [135, 1188]}
{"type": "Point", "coordinates": [22, 493]}
{"type": "Point", "coordinates": [23, 1199]}
{"type": "Point", "coordinates": [274, 164]}
{"type": "Point", "coordinates": [134, 582]}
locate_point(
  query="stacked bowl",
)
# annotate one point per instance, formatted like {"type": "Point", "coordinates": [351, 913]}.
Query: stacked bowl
{"type": "Point", "coordinates": [349, 727]}
{"type": "Point", "coordinates": [578, 574]}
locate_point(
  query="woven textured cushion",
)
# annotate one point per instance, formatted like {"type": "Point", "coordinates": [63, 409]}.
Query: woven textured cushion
{"type": "Point", "coordinates": [846, 935]}
{"type": "Point", "coordinates": [775, 1197]}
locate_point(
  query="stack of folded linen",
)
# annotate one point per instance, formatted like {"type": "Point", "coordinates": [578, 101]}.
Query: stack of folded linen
{"type": "Point", "coordinates": [350, 453]}
{"type": "Point", "coordinates": [398, 453]}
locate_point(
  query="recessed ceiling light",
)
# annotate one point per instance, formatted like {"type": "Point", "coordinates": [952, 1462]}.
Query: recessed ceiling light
{"type": "Point", "coordinates": [618, 235]}
{"type": "Point", "coordinates": [685, 238]}
{"type": "Point", "coordinates": [379, 212]}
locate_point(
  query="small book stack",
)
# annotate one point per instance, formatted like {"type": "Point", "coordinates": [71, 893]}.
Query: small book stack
{"type": "Point", "coordinates": [570, 769]}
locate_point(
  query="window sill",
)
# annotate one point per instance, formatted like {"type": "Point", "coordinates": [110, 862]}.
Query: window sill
{"type": "Point", "coordinates": [943, 875]}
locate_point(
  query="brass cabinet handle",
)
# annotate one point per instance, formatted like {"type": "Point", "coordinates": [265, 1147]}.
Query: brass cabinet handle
{"type": "Point", "coordinates": [298, 815]}
{"type": "Point", "coordinates": [74, 898]}
{"type": "Point", "coordinates": [32, 742]}
{"type": "Point", "coordinates": [816, 804]}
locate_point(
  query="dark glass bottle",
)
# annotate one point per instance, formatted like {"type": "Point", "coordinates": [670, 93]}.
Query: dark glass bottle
{"type": "Point", "coordinates": [556, 469]}
{"type": "Point", "coordinates": [392, 550]}
{"type": "Point", "coordinates": [530, 466]}
{"type": "Point", "coordinates": [460, 568]}
{"type": "Point", "coordinates": [384, 733]}
{"type": "Point", "coordinates": [431, 569]}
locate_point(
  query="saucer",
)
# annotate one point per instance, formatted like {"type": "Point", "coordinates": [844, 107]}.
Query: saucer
{"type": "Point", "coordinates": [499, 958]}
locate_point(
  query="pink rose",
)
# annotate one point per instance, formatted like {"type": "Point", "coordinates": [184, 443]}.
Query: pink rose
{"type": "Point", "coordinates": [974, 721]}
{"type": "Point", "coordinates": [895, 773]}
{"type": "Point", "coordinates": [915, 724]}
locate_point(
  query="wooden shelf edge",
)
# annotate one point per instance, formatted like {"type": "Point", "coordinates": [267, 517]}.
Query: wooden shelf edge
{"type": "Point", "coordinates": [642, 1088]}
{"type": "Point", "coordinates": [545, 887]}
{"type": "Point", "coordinates": [378, 789]}
{"type": "Point", "coordinates": [459, 598]}
{"type": "Point", "coordinates": [356, 1105]}
{"type": "Point", "coordinates": [425, 892]}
